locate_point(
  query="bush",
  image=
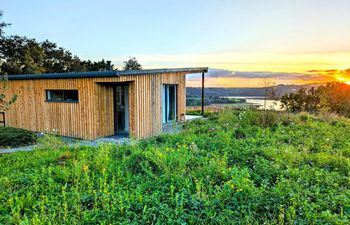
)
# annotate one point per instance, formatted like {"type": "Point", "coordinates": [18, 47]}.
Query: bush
{"type": "Point", "coordinates": [14, 137]}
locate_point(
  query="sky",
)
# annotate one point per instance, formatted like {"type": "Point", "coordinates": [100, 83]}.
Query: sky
{"type": "Point", "coordinates": [243, 42]}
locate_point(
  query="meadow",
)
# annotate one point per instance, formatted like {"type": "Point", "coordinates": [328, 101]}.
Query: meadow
{"type": "Point", "coordinates": [236, 167]}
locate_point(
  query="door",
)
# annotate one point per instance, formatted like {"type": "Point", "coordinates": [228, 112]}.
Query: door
{"type": "Point", "coordinates": [121, 110]}
{"type": "Point", "coordinates": [169, 101]}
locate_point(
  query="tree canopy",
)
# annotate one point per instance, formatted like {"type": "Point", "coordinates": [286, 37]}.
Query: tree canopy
{"type": "Point", "coordinates": [332, 97]}
{"type": "Point", "coordinates": [132, 64]}
{"type": "Point", "coordinates": [22, 55]}
{"type": "Point", "coordinates": [5, 101]}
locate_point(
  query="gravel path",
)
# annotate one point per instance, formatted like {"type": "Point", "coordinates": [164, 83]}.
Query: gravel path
{"type": "Point", "coordinates": [169, 128]}
{"type": "Point", "coordinates": [73, 143]}
{"type": "Point", "coordinates": [18, 149]}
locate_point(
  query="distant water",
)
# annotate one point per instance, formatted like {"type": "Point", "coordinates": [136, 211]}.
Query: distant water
{"type": "Point", "coordinates": [260, 102]}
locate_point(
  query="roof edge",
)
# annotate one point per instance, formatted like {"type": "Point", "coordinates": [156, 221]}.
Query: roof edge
{"type": "Point", "coordinates": [109, 73]}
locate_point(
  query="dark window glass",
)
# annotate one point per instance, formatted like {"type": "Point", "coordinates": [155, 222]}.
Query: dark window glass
{"type": "Point", "coordinates": [169, 103]}
{"type": "Point", "coordinates": [172, 102]}
{"type": "Point", "coordinates": [62, 95]}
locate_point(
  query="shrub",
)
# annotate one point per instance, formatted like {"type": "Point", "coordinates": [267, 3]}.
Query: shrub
{"type": "Point", "coordinates": [14, 137]}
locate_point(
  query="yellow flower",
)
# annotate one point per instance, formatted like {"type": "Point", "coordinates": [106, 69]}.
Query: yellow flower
{"type": "Point", "coordinates": [85, 168]}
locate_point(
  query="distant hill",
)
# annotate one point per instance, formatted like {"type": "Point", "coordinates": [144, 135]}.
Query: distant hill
{"type": "Point", "coordinates": [280, 90]}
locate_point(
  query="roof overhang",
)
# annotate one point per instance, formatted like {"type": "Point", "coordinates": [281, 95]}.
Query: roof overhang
{"type": "Point", "coordinates": [109, 73]}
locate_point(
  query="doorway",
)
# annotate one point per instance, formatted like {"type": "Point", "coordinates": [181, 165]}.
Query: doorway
{"type": "Point", "coordinates": [169, 102]}
{"type": "Point", "coordinates": [121, 110]}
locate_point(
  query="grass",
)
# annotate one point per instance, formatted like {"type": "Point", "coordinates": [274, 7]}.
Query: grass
{"type": "Point", "coordinates": [236, 167]}
{"type": "Point", "coordinates": [14, 137]}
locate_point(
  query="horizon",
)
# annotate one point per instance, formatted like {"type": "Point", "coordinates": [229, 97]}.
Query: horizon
{"type": "Point", "coordinates": [244, 43]}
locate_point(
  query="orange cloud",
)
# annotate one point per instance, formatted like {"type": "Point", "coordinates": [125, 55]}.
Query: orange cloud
{"type": "Point", "coordinates": [339, 75]}
{"type": "Point", "coordinates": [226, 78]}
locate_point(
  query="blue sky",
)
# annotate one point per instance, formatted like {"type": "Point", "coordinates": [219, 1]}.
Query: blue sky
{"type": "Point", "coordinates": [238, 35]}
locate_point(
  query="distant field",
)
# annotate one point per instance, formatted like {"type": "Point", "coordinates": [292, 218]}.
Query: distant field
{"type": "Point", "coordinates": [236, 167]}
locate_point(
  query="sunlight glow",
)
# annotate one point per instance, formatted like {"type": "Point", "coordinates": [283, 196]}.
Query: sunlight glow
{"type": "Point", "coordinates": [317, 67]}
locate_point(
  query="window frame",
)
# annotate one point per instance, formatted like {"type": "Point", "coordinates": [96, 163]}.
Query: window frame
{"type": "Point", "coordinates": [62, 90]}
{"type": "Point", "coordinates": [166, 103]}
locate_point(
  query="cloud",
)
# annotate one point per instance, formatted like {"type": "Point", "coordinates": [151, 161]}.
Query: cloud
{"type": "Point", "coordinates": [333, 72]}
{"type": "Point", "coordinates": [228, 78]}
{"type": "Point", "coordinates": [246, 61]}
{"type": "Point", "coordinates": [221, 73]}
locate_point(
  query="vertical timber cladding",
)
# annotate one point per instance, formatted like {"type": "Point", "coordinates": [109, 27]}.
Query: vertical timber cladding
{"type": "Point", "coordinates": [180, 80]}
{"type": "Point", "coordinates": [31, 110]}
{"type": "Point", "coordinates": [92, 116]}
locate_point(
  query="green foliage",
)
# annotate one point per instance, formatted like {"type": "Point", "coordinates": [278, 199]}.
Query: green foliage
{"type": "Point", "coordinates": [50, 141]}
{"type": "Point", "coordinates": [14, 137]}
{"type": "Point", "coordinates": [5, 101]}
{"type": "Point", "coordinates": [132, 64]}
{"type": "Point", "coordinates": [2, 25]}
{"type": "Point", "coordinates": [22, 55]}
{"type": "Point", "coordinates": [232, 168]}
{"type": "Point", "coordinates": [302, 101]}
{"type": "Point", "coordinates": [332, 97]}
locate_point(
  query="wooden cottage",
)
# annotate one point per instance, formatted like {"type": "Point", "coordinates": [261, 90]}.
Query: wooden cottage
{"type": "Point", "coordinates": [91, 105]}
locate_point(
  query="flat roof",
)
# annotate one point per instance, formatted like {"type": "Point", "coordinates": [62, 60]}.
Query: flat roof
{"type": "Point", "coordinates": [107, 73]}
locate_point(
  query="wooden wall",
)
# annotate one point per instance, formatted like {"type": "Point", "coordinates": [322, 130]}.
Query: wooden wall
{"type": "Point", "coordinates": [92, 116]}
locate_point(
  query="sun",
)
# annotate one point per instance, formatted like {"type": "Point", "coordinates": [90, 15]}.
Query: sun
{"type": "Point", "coordinates": [343, 80]}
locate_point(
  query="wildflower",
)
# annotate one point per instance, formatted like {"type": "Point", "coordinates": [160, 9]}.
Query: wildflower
{"type": "Point", "coordinates": [85, 168]}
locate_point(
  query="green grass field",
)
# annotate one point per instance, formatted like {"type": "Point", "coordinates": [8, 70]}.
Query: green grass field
{"type": "Point", "coordinates": [237, 167]}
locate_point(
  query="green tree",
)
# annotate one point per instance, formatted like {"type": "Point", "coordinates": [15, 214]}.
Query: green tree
{"type": "Point", "coordinates": [99, 65]}
{"type": "Point", "coordinates": [332, 97]}
{"type": "Point", "coordinates": [132, 64]}
{"type": "Point", "coordinates": [5, 101]}
{"type": "Point", "coordinates": [336, 97]}
{"type": "Point", "coordinates": [58, 60]}
{"type": "Point", "coordinates": [2, 25]}
{"type": "Point", "coordinates": [302, 100]}
{"type": "Point", "coordinates": [21, 55]}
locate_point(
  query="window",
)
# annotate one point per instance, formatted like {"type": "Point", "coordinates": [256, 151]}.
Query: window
{"type": "Point", "coordinates": [169, 103]}
{"type": "Point", "coordinates": [62, 95]}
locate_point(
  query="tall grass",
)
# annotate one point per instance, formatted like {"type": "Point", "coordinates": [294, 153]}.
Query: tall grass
{"type": "Point", "coordinates": [236, 167]}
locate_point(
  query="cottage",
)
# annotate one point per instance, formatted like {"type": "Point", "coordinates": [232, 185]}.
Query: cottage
{"type": "Point", "coordinates": [91, 105]}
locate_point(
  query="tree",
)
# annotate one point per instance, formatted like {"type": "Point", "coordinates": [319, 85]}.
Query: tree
{"type": "Point", "coordinates": [22, 55]}
{"type": "Point", "coordinates": [302, 100]}
{"type": "Point", "coordinates": [5, 102]}
{"type": "Point", "coordinates": [332, 97]}
{"type": "Point", "coordinates": [336, 97]}
{"type": "Point", "coordinates": [269, 91]}
{"type": "Point", "coordinates": [132, 64]}
{"type": "Point", "coordinates": [99, 65]}
{"type": "Point", "coordinates": [2, 25]}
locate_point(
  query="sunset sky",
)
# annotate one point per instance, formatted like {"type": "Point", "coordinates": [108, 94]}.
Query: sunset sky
{"type": "Point", "coordinates": [242, 41]}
